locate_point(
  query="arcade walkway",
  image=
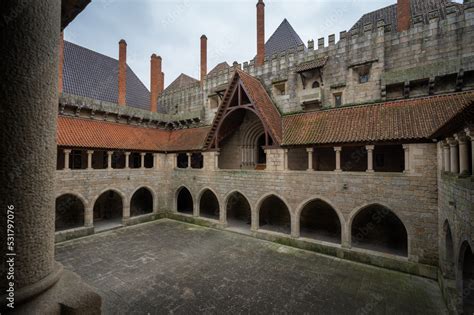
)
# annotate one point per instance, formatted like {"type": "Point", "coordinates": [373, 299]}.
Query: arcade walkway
{"type": "Point", "coordinates": [167, 266]}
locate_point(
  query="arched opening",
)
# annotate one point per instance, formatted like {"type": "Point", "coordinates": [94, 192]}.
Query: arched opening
{"type": "Point", "coordinates": [141, 203]}
{"type": "Point", "coordinates": [108, 210]}
{"type": "Point", "coordinates": [274, 215]}
{"type": "Point", "coordinates": [184, 201]}
{"type": "Point", "coordinates": [241, 140]}
{"type": "Point", "coordinates": [448, 251]}
{"type": "Point", "coordinates": [315, 85]}
{"type": "Point", "coordinates": [377, 228]}
{"type": "Point", "coordinates": [209, 205]}
{"type": "Point", "coordinates": [466, 264]}
{"type": "Point", "coordinates": [320, 221]}
{"type": "Point", "coordinates": [239, 213]}
{"type": "Point", "coordinates": [69, 212]}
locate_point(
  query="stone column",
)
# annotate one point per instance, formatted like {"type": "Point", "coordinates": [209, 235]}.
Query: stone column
{"type": "Point", "coordinates": [89, 159]}
{"type": "Point", "coordinates": [189, 159]}
{"type": "Point", "coordinates": [109, 159]}
{"type": "Point", "coordinates": [127, 160]}
{"type": "Point", "coordinates": [406, 150]}
{"type": "Point", "coordinates": [216, 160]}
{"type": "Point", "coordinates": [29, 84]}
{"type": "Point", "coordinates": [89, 216]}
{"type": "Point", "coordinates": [67, 152]}
{"type": "Point", "coordinates": [310, 158]}
{"type": "Point", "coordinates": [126, 210]}
{"type": "Point", "coordinates": [463, 154]}
{"type": "Point", "coordinates": [155, 161]}
{"type": "Point", "coordinates": [295, 226]}
{"type": "Point", "coordinates": [370, 158]}
{"type": "Point", "coordinates": [470, 134]}
{"type": "Point", "coordinates": [454, 156]}
{"type": "Point", "coordinates": [142, 160]}
{"type": "Point", "coordinates": [338, 158]}
{"type": "Point", "coordinates": [446, 157]}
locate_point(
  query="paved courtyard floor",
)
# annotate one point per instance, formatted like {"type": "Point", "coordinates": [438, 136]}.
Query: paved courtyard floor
{"type": "Point", "coordinates": [172, 267]}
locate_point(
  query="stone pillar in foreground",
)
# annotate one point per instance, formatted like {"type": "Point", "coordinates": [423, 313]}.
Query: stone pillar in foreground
{"type": "Point", "coordinates": [463, 154]}
{"type": "Point", "coordinates": [29, 32]}
{"type": "Point", "coordinates": [189, 159]}
{"type": "Point", "coordinates": [89, 159]}
{"type": "Point", "coordinates": [109, 159]}
{"type": "Point", "coordinates": [142, 160]}
{"type": "Point", "coordinates": [406, 151]}
{"type": "Point", "coordinates": [446, 157]}
{"type": "Point", "coordinates": [127, 160]}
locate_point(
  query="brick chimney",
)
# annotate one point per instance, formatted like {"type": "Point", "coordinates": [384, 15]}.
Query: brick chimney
{"type": "Point", "coordinates": [203, 58]}
{"type": "Point", "coordinates": [122, 75]}
{"type": "Point", "coordinates": [61, 63]}
{"type": "Point", "coordinates": [155, 84]}
{"type": "Point", "coordinates": [260, 33]}
{"type": "Point", "coordinates": [403, 15]}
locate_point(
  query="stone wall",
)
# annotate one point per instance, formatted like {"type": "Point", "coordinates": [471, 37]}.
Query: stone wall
{"type": "Point", "coordinates": [412, 196]}
{"type": "Point", "coordinates": [412, 63]}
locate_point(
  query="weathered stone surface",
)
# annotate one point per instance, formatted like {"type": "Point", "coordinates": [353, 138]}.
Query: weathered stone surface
{"type": "Point", "coordinates": [165, 266]}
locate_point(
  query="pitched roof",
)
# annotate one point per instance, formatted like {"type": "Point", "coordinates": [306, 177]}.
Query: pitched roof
{"type": "Point", "coordinates": [283, 38]}
{"type": "Point", "coordinates": [220, 67]}
{"type": "Point", "coordinates": [310, 65]}
{"type": "Point", "coordinates": [262, 103]}
{"type": "Point", "coordinates": [90, 74]}
{"type": "Point", "coordinates": [389, 13]}
{"type": "Point", "coordinates": [413, 119]}
{"type": "Point", "coordinates": [87, 133]}
{"type": "Point", "coordinates": [181, 81]}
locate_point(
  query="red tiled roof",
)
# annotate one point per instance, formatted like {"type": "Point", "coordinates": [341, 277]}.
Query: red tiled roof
{"type": "Point", "coordinates": [263, 103]}
{"type": "Point", "coordinates": [399, 120]}
{"type": "Point", "coordinates": [86, 133]}
{"type": "Point", "coordinates": [310, 65]}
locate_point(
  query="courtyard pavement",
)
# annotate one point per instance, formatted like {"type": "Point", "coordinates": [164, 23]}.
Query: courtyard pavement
{"type": "Point", "coordinates": [171, 267]}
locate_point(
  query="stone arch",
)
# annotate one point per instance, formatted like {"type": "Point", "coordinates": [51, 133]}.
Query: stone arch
{"type": "Point", "coordinates": [184, 200]}
{"type": "Point", "coordinates": [319, 219]}
{"type": "Point", "coordinates": [208, 204]}
{"type": "Point", "coordinates": [70, 211]}
{"type": "Point", "coordinates": [110, 205]}
{"type": "Point", "coordinates": [376, 227]}
{"type": "Point", "coordinates": [142, 201]}
{"type": "Point", "coordinates": [274, 214]}
{"type": "Point", "coordinates": [466, 277]}
{"type": "Point", "coordinates": [448, 246]}
{"type": "Point", "coordinates": [238, 210]}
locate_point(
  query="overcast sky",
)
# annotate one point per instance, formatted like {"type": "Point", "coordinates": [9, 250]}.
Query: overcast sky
{"type": "Point", "coordinates": [172, 28]}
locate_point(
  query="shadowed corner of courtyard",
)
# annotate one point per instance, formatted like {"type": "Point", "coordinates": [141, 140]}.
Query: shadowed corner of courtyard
{"type": "Point", "coordinates": [167, 266]}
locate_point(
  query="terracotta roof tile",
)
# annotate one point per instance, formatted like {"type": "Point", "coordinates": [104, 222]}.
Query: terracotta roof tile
{"type": "Point", "coordinates": [317, 63]}
{"type": "Point", "coordinates": [263, 103]}
{"type": "Point", "coordinates": [86, 133]}
{"type": "Point", "coordinates": [413, 119]}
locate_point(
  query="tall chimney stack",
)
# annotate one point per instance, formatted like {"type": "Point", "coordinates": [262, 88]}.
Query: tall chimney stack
{"type": "Point", "coordinates": [61, 63]}
{"type": "Point", "coordinates": [403, 15]}
{"type": "Point", "coordinates": [203, 58]}
{"type": "Point", "coordinates": [155, 78]}
{"type": "Point", "coordinates": [122, 79]}
{"type": "Point", "coordinates": [260, 33]}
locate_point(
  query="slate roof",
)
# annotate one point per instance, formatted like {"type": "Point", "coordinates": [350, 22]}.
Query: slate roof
{"type": "Point", "coordinates": [90, 74]}
{"type": "Point", "coordinates": [389, 14]}
{"type": "Point", "coordinates": [96, 134]}
{"type": "Point", "coordinates": [412, 119]}
{"type": "Point", "coordinates": [220, 67]}
{"type": "Point", "coordinates": [283, 38]}
{"type": "Point", "coordinates": [181, 82]}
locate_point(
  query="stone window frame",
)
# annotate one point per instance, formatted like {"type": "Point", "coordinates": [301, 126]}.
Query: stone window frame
{"type": "Point", "coordinates": [280, 88]}
{"type": "Point", "coordinates": [337, 99]}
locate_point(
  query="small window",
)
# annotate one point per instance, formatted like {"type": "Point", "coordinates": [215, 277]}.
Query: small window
{"type": "Point", "coordinates": [364, 78]}
{"type": "Point", "coordinates": [338, 99]}
{"type": "Point", "coordinates": [280, 88]}
{"type": "Point", "coordinates": [315, 85]}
